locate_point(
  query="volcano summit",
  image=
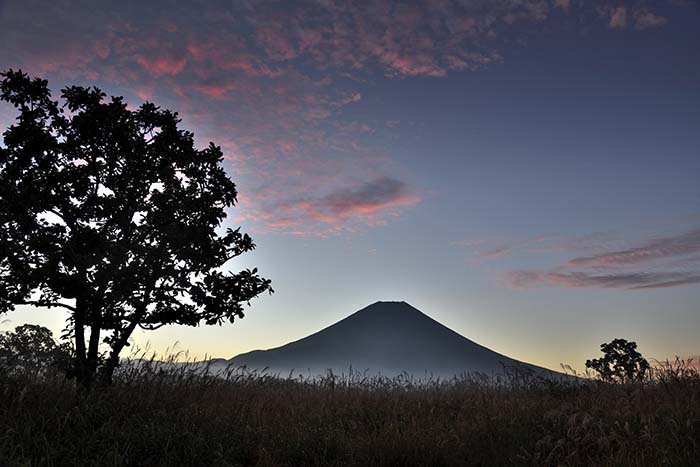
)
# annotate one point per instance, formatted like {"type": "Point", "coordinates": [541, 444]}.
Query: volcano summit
{"type": "Point", "coordinates": [387, 338]}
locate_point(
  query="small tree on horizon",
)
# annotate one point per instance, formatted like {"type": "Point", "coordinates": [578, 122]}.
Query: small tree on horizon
{"type": "Point", "coordinates": [112, 214]}
{"type": "Point", "coordinates": [621, 362]}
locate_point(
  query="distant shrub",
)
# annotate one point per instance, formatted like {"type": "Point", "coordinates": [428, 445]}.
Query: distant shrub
{"type": "Point", "coordinates": [621, 362]}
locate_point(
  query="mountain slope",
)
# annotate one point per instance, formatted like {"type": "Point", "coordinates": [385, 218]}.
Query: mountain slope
{"type": "Point", "coordinates": [388, 338]}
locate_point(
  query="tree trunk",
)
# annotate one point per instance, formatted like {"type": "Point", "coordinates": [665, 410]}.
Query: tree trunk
{"type": "Point", "coordinates": [93, 355]}
{"type": "Point", "coordinates": [86, 357]}
{"type": "Point", "coordinates": [85, 369]}
{"type": "Point", "coordinates": [107, 371]}
{"type": "Point", "coordinates": [81, 370]}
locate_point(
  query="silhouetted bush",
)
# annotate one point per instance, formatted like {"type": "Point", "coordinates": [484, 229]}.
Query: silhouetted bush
{"type": "Point", "coordinates": [621, 362]}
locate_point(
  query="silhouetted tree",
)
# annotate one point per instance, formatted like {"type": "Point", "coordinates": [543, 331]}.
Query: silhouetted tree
{"type": "Point", "coordinates": [621, 362]}
{"type": "Point", "coordinates": [32, 347]}
{"type": "Point", "coordinates": [112, 213]}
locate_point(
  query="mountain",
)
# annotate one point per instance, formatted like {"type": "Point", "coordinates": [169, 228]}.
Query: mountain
{"type": "Point", "coordinates": [386, 338]}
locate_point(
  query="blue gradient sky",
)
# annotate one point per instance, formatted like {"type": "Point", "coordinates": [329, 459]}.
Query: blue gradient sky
{"type": "Point", "coordinates": [525, 172]}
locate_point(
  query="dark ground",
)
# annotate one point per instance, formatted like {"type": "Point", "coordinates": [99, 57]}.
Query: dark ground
{"type": "Point", "coordinates": [151, 418]}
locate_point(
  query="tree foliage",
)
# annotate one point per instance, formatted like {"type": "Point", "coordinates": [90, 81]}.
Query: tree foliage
{"type": "Point", "coordinates": [112, 214]}
{"type": "Point", "coordinates": [621, 362]}
{"type": "Point", "coordinates": [32, 348]}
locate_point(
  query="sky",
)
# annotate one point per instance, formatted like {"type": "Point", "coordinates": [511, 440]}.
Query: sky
{"type": "Point", "coordinates": [523, 171]}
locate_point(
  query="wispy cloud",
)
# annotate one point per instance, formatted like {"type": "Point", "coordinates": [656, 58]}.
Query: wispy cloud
{"type": "Point", "coordinates": [343, 208]}
{"type": "Point", "coordinates": [669, 261]}
{"type": "Point", "coordinates": [495, 252]}
{"type": "Point", "coordinates": [367, 198]}
{"type": "Point", "coordinates": [641, 17]}
{"type": "Point", "coordinates": [483, 249]}
{"type": "Point", "coordinates": [644, 19]}
{"type": "Point", "coordinates": [609, 260]}
{"type": "Point", "coordinates": [577, 279]}
{"type": "Point", "coordinates": [661, 248]}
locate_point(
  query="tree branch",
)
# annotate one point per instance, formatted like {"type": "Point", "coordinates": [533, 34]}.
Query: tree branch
{"type": "Point", "coordinates": [152, 327]}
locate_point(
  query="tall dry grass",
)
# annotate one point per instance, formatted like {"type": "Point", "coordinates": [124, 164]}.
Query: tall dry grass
{"type": "Point", "coordinates": [183, 414]}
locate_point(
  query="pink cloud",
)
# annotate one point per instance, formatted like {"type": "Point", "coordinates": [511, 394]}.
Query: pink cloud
{"type": "Point", "coordinates": [618, 18]}
{"type": "Point", "coordinates": [367, 198]}
{"type": "Point", "coordinates": [215, 91]}
{"type": "Point", "coordinates": [284, 223]}
{"type": "Point", "coordinates": [338, 211]}
{"type": "Point", "coordinates": [144, 93]}
{"type": "Point", "coordinates": [161, 65]}
{"type": "Point", "coordinates": [367, 202]}
{"type": "Point", "coordinates": [411, 65]}
{"type": "Point", "coordinates": [563, 4]}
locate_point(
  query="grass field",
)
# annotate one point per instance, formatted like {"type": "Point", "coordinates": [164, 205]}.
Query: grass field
{"type": "Point", "coordinates": [153, 417]}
